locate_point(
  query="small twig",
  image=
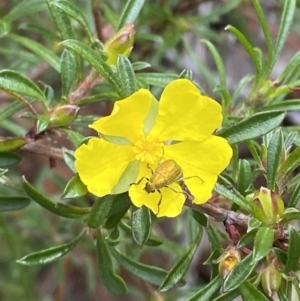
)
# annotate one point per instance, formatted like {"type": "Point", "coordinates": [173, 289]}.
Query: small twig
{"type": "Point", "coordinates": [45, 150]}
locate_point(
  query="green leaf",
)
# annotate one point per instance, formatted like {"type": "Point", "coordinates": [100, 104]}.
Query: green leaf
{"type": "Point", "coordinates": [186, 73]}
{"type": "Point", "coordinates": [249, 292]}
{"type": "Point", "coordinates": [108, 277]}
{"type": "Point", "coordinates": [221, 72]}
{"type": "Point", "coordinates": [289, 69]}
{"type": "Point", "coordinates": [100, 211]}
{"type": "Point", "coordinates": [51, 254]}
{"type": "Point", "coordinates": [156, 79]}
{"type": "Point", "coordinates": [42, 123]}
{"type": "Point", "coordinates": [274, 153]}
{"type": "Point", "coordinates": [69, 160]}
{"type": "Point", "coordinates": [244, 176]}
{"type": "Point", "coordinates": [241, 85]}
{"type": "Point", "coordinates": [62, 209]}
{"type": "Point", "coordinates": [264, 25]}
{"type": "Point", "coordinates": [97, 62]}
{"type": "Point", "coordinates": [239, 273]}
{"type": "Point", "coordinates": [41, 51]}
{"type": "Point", "coordinates": [213, 237]}
{"type": "Point", "coordinates": [248, 47]}
{"type": "Point", "coordinates": [24, 8]}
{"type": "Point", "coordinates": [11, 144]}
{"type": "Point", "coordinates": [178, 271]}
{"type": "Point", "coordinates": [68, 71]}
{"type": "Point", "coordinates": [233, 195]}
{"type": "Point", "coordinates": [247, 238]}
{"type": "Point", "coordinates": [74, 188]}
{"type": "Point", "coordinates": [75, 137]}
{"type": "Point", "coordinates": [62, 21]}
{"type": "Point", "coordinates": [292, 161]}
{"type": "Point", "coordinates": [126, 74]}
{"type": "Point", "coordinates": [72, 11]}
{"type": "Point", "coordinates": [293, 252]}
{"type": "Point", "coordinates": [281, 255]}
{"type": "Point", "coordinates": [141, 225]}
{"type": "Point", "coordinates": [252, 127]}
{"type": "Point", "coordinates": [294, 199]}
{"type": "Point", "coordinates": [206, 293]}
{"type": "Point", "coordinates": [9, 159]}
{"type": "Point", "coordinates": [285, 25]}
{"type": "Point", "coordinates": [263, 243]}
{"type": "Point", "coordinates": [140, 65]}
{"type": "Point", "coordinates": [119, 208]}
{"type": "Point", "coordinates": [200, 218]}
{"type": "Point", "coordinates": [286, 105]}
{"type": "Point", "coordinates": [130, 13]}
{"type": "Point", "coordinates": [17, 83]}
{"type": "Point", "coordinates": [290, 214]}
{"type": "Point", "coordinates": [145, 272]}
{"type": "Point", "coordinates": [282, 296]}
{"type": "Point", "coordinates": [228, 296]}
{"type": "Point", "coordinates": [11, 203]}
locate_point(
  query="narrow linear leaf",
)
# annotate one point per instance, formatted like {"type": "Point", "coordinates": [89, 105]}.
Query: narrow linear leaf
{"type": "Point", "coordinates": [293, 252]}
{"type": "Point", "coordinates": [178, 271]}
{"type": "Point", "coordinates": [213, 237]}
{"type": "Point", "coordinates": [248, 47]}
{"type": "Point", "coordinates": [40, 50]}
{"type": "Point", "coordinates": [8, 159]}
{"type": "Point", "coordinates": [51, 254]}
{"type": "Point", "coordinates": [11, 144]}
{"type": "Point", "coordinates": [205, 293]}
{"type": "Point", "coordinates": [249, 292]}
{"type": "Point", "coordinates": [239, 273]}
{"type": "Point", "coordinates": [141, 225]}
{"type": "Point", "coordinates": [244, 176]}
{"type": "Point", "coordinates": [11, 203]}
{"type": "Point", "coordinates": [252, 127]}
{"type": "Point", "coordinates": [126, 74]}
{"type": "Point", "coordinates": [264, 25]}
{"type": "Point", "coordinates": [274, 152]}
{"type": "Point", "coordinates": [295, 197]}
{"type": "Point", "coordinates": [292, 161]}
{"type": "Point", "coordinates": [262, 243]}
{"type": "Point", "coordinates": [233, 195]}
{"type": "Point", "coordinates": [74, 188]}
{"type": "Point", "coordinates": [68, 71]}
{"type": "Point", "coordinates": [65, 210]}
{"type": "Point", "coordinates": [95, 60]}
{"type": "Point", "coordinates": [156, 79]}
{"type": "Point", "coordinates": [228, 296]}
{"type": "Point", "coordinates": [119, 208]}
{"type": "Point", "coordinates": [100, 211]}
{"type": "Point", "coordinates": [130, 13]}
{"type": "Point", "coordinates": [247, 238]}
{"type": "Point", "coordinates": [285, 25]}
{"type": "Point", "coordinates": [286, 105]}
{"type": "Point", "coordinates": [151, 274]}
{"type": "Point", "coordinates": [109, 278]}
{"type": "Point", "coordinates": [17, 83]}
{"type": "Point", "coordinates": [75, 13]}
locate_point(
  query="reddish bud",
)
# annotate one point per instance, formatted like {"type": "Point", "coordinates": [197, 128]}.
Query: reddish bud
{"type": "Point", "coordinates": [62, 115]}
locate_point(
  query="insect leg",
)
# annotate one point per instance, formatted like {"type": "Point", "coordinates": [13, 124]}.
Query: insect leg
{"type": "Point", "coordinates": [159, 202]}
{"type": "Point", "coordinates": [139, 181]}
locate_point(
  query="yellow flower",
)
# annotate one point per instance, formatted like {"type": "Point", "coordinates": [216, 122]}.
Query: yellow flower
{"type": "Point", "coordinates": [142, 132]}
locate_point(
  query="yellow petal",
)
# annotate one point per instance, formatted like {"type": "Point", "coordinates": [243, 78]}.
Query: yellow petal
{"type": "Point", "coordinates": [168, 202]}
{"type": "Point", "coordinates": [128, 116]}
{"type": "Point", "coordinates": [184, 114]}
{"type": "Point", "coordinates": [201, 163]}
{"type": "Point", "coordinates": [100, 164]}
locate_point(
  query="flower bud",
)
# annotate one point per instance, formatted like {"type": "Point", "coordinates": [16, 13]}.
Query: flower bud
{"type": "Point", "coordinates": [62, 115]}
{"type": "Point", "coordinates": [120, 43]}
{"type": "Point", "coordinates": [270, 280]}
{"type": "Point", "coordinates": [228, 260]}
{"type": "Point", "coordinates": [267, 206]}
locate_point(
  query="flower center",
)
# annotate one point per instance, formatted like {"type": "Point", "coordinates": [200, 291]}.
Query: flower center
{"type": "Point", "coordinates": [148, 149]}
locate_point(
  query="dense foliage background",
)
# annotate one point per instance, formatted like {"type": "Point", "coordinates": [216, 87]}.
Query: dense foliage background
{"type": "Point", "coordinates": [240, 244]}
